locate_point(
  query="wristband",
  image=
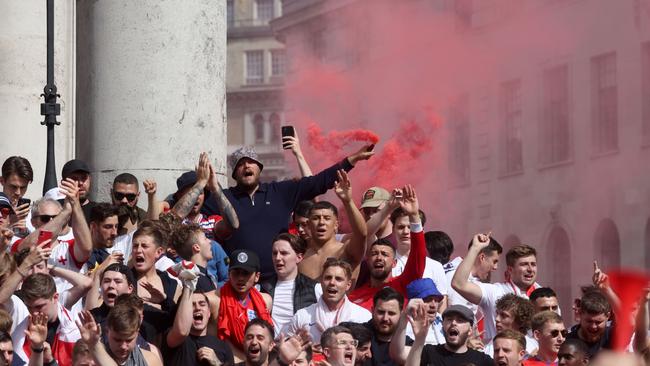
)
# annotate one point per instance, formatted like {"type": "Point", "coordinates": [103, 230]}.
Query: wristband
{"type": "Point", "coordinates": [20, 273]}
{"type": "Point", "coordinates": [37, 350]}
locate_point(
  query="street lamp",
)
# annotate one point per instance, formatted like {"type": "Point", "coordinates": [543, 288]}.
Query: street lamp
{"type": "Point", "coordinates": [50, 108]}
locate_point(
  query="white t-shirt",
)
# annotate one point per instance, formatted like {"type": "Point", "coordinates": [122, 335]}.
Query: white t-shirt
{"type": "Point", "coordinates": [454, 298]}
{"type": "Point", "coordinates": [63, 256]}
{"type": "Point", "coordinates": [432, 269]}
{"type": "Point", "coordinates": [491, 292]}
{"type": "Point", "coordinates": [18, 312]}
{"type": "Point", "coordinates": [305, 318]}
{"type": "Point", "coordinates": [282, 310]}
{"type": "Point", "coordinates": [123, 244]}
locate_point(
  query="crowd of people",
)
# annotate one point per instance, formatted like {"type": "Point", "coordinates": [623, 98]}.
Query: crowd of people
{"type": "Point", "coordinates": [258, 274]}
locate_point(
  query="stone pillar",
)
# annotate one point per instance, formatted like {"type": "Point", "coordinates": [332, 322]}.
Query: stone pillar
{"type": "Point", "coordinates": [151, 88]}
{"type": "Point", "coordinates": [23, 42]}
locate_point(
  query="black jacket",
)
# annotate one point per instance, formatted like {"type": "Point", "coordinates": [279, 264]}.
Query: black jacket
{"type": "Point", "coordinates": [303, 293]}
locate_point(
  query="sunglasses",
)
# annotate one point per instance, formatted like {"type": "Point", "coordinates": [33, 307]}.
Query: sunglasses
{"type": "Point", "coordinates": [5, 211]}
{"type": "Point", "coordinates": [556, 332]}
{"type": "Point", "coordinates": [342, 343]}
{"type": "Point", "coordinates": [45, 218]}
{"type": "Point", "coordinates": [120, 196]}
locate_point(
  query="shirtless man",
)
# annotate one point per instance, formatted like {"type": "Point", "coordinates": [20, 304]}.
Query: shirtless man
{"type": "Point", "coordinates": [323, 225]}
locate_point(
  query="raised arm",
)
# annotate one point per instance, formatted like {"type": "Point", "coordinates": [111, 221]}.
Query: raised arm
{"type": "Point", "coordinates": [469, 290]}
{"type": "Point", "coordinates": [83, 240]}
{"type": "Point", "coordinates": [293, 143]}
{"type": "Point", "coordinates": [91, 333]}
{"type": "Point", "coordinates": [36, 255]}
{"type": "Point", "coordinates": [80, 284]}
{"type": "Point", "coordinates": [310, 187]}
{"type": "Point", "coordinates": [398, 350]}
{"type": "Point", "coordinates": [55, 225]}
{"type": "Point", "coordinates": [374, 223]}
{"type": "Point", "coordinates": [230, 220]}
{"type": "Point", "coordinates": [601, 280]}
{"type": "Point", "coordinates": [183, 321]}
{"type": "Point", "coordinates": [420, 323]}
{"type": "Point", "coordinates": [184, 205]}
{"type": "Point", "coordinates": [93, 297]}
{"type": "Point", "coordinates": [355, 248]}
{"type": "Point", "coordinates": [416, 261]}
{"type": "Point", "coordinates": [36, 333]}
{"type": "Point", "coordinates": [154, 208]}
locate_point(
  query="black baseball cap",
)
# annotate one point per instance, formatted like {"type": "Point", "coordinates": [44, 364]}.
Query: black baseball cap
{"type": "Point", "coordinates": [461, 310]}
{"type": "Point", "coordinates": [186, 179]}
{"type": "Point", "coordinates": [74, 165]}
{"type": "Point", "coordinates": [245, 259]}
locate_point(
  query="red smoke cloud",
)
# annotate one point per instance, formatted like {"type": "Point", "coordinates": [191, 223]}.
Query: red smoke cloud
{"type": "Point", "coordinates": [395, 68]}
{"type": "Point", "coordinates": [333, 143]}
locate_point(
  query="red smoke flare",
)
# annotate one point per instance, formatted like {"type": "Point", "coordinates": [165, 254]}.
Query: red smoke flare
{"type": "Point", "coordinates": [628, 286]}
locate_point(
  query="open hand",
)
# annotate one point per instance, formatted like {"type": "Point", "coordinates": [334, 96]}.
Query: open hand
{"type": "Point", "coordinates": [342, 186]}
{"type": "Point", "coordinates": [70, 189]}
{"type": "Point", "coordinates": [37, 329]}
{"type": "Point", "coordinates": [409, 201]}
{"type": "Point", "coordinates": [90, 331]}
{"type": "Point", "coordinates": [155, 296]}
{"type": "Point", "coordinates": [203, 169]}
{"type": "Point", "coordinates": [419, 319]}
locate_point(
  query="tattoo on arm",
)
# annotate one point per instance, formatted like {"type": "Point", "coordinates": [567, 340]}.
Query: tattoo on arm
{"type": "Point", "coordinates": [226, 209]}
{"type": "Point", "coordinates": [183, 207]}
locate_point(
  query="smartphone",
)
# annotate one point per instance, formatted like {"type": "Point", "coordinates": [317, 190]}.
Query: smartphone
{"type": "Point", "coordinates": [287, 131]}
{"type": "Point", "coordinates": [44, 235]}
{"type": "Point", "coordinates": [22, 201]}
{"type": "Point", "coordinates": [370, 148]}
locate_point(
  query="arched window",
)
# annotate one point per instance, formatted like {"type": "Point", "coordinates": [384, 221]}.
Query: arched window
{"type": "Point", "coordinates": [258, 127]}
{"type": "Point", "coordinates": [558, 267]}
{"type": "Point", "coordinates": [275, 128]}
{"type": "Point", "coordinates": [607, 245]}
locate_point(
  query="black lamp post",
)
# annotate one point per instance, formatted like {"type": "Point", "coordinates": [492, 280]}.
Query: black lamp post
{"type": "Point", "coordinates": [50, 108]}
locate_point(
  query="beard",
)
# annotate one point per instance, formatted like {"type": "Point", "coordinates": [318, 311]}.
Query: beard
{"type": "Point", "coordinates": [381, 276]}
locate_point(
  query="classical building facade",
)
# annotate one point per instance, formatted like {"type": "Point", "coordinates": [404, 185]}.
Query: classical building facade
{"type": "Point", "coordinates": [566, 168]}
{"type": "Point", "coordinates": [142, 87]}
{"type": "Point", "coordinates": [255, 78]}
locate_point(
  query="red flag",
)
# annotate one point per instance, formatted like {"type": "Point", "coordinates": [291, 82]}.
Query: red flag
{"type": "Point", "coordinates": [628, 286]}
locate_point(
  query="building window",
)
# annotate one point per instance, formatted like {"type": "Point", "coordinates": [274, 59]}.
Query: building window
{"type": "Point", "coordinates": [230, 12]}
{"type": "Point", "coordinates": [511, 115]}
{"type": "Point", "coordinates": [265, 10]}
{"type": "Point", "coordinates": [604, 103]}
{"type": "Point", "coordinates": [254, 67]}
{"type": "Point", "coordinates": [555, 132]}
{"type": "Point", "coordinates": [277, 63]}
{"type": "Point", "coordinates": [645, 93]}
{"type": "Point", "coordinates": [276, 129]}
{"type": "Point", "coordinates": [459, 149]}
{"type": "Point", "coordinates": [258, 127]}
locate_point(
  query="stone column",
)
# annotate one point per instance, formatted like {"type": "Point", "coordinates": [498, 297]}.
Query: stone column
{"type": "Point", "coordinates": [151, 88]}
{"type": "Point", "coordinates": [23, 42]}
